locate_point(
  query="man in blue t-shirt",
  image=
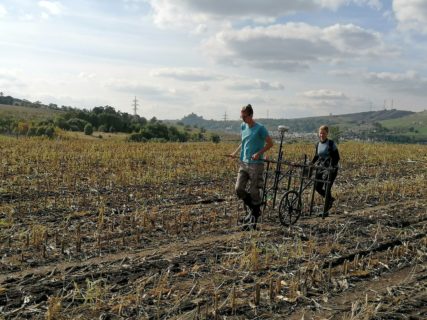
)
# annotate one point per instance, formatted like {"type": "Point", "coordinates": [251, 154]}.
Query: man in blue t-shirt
{"type": "Point", "coordinates": [255, 142]}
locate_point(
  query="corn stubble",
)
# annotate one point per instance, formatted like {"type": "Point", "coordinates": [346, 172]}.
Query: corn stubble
{"type": "Point", "coordinates": [148, 231]}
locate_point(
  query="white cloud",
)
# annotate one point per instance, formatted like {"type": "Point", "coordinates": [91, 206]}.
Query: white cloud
{"type": "Point", "coordinates": [86, 75]}
{"type": "Point", "coordinates": [11, 80]}
{"type": "Point", "coordinates": [185, 74]}
{"type": "Point", "coordinates": [350, 39]}
{"type": "Point", "coordinates": [51, 7]}
{"type": "Point", "coordinates": [147, 91]}
{"type": "Point", "coordinates": [168, 70]}
{"type": "Point", "coordinates": [169, 13]}
{"type": "Point", "coordinates": [203, 87]}
{"type": "Point", "coordinates": [45, 15]}
{"type": "Point", "coordinates": [411, 14]}
{"type": "Point", "coordinates": [293, 46]}
{"type": "Point", "coordinates": [370, 3]}
{"type": "Point", "coordinates": [200, 29]}
{"type": "Point", "coordinates": [324, 94]}
{"type": "Point", "coordinates": [409, 82]}
{"type": "Point", "coordinates": [27, 17]}
{"type": "Point", "coordinates": [184, 12]}
{"type": "Point", "coordinates": [3, 11]}
{"type": "Point", "coordinates": [322, 107]}
{"type": "Point", "coordinates": [132, 4]}
{"type": "Point", "coordinates": [255, 84]}
{"type": "Point", "coordinates": [346, 73]}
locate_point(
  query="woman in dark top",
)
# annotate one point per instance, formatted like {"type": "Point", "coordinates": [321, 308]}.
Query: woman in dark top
{"type": "Point", "coordinates": [326, 154]}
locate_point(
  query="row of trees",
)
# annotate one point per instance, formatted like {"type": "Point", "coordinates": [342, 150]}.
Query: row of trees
{"type": "Point", "coordinates": [106, 119]}
{"type": "Point", "coordinates": [160, 132]}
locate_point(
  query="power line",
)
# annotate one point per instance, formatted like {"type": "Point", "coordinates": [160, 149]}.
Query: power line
{"type": "Point", "coordinates": [135, 106]}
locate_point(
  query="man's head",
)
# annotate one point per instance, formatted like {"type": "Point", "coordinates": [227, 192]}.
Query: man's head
{"type": "Point", "coordinates": [247, 113]}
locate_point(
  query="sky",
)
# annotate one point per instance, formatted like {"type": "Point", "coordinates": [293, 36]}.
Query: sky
{"type": "Point", "coordinates": [288, 58]}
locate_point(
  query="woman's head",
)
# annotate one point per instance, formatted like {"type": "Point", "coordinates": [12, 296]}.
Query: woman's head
{"type": "Point", "coordinates": [323, 133]}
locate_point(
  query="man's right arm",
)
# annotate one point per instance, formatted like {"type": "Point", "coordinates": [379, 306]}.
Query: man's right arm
{"type": "Point", "coordinates": [234, 154]}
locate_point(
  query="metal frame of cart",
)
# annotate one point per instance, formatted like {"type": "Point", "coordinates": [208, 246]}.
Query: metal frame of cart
{"type": "Point", "coordinates": [295, 181]}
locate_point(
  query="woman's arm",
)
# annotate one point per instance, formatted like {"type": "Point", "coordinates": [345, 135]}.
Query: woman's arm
{"type": "Point", "coordinates": [316, 156]}
{"type": "Point", "coordinates": [335, 157]}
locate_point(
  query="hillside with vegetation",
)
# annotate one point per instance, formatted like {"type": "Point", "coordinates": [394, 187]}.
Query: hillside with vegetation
{"type": "Point", "coordinates": [384, 125]}
{"type": "Point", "coordinates": [413, 123]}
{"type": "Point", "coordinates": [22, 117]}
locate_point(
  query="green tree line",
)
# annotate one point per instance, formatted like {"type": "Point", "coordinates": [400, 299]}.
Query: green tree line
{"type": "Point", "coordinates": [104, 119]}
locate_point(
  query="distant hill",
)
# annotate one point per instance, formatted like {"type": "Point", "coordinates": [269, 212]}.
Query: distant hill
{"type": "Point", "coordinates": [413, 123]}
{"type": "Point", "coordinates": [11, 101]}
{"type": "Point", "coordinates": [384, 125]}
{"type": "Point", "coordinates": [308, 124]}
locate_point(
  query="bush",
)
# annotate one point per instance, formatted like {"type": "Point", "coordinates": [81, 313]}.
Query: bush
{"type": "Point", "coordinates": [62, 123]}
{"type": "Point", "coordinates": [88, 129]}
{"type": "Point", "coordinates": [77, 123]}
{"type": "Point", "coordinates": [32, 131]}
{"type": "Point", "coordinates": [40, 131]}
{"type": "Point", "coordinates": [50, 132]}
{"type": "Point", "coordinates": [137, 137]}
{"type": "Point", "coordinates": [215, 138]}
{"type": "Point", "coordinates": [103, 128]}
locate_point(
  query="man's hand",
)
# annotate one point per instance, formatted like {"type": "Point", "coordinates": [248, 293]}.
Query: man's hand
{"type": "Point", "coordinates": [255, 156]}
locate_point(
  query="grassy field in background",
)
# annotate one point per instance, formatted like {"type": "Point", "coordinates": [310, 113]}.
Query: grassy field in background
{"type": "Point", "coordinates": [27, 113]}
{"type": "Point", "coordinates": [416, 121]}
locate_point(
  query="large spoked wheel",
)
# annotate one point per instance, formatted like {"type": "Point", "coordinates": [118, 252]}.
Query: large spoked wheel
{"type": "Point", "coordinates": [290, 208]}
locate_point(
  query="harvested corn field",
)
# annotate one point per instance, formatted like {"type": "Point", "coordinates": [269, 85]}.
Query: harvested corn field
{"type": "Point", "coordinates": [116, 230]}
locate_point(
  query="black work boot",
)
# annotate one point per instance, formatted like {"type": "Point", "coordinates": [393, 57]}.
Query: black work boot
{"type": "Point", "coordinates": [247, 200]}
{"type": "Point", "coordinates": [256, 212]}
{"type": "Point", "coordinates": [330, 204]}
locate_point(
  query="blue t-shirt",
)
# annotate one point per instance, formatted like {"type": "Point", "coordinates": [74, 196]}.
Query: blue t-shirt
{"type": "Point", "coordinates": [253, 140]}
